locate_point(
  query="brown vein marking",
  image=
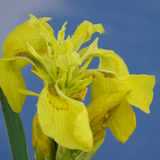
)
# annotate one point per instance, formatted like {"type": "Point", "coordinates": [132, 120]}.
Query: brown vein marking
{"type": "Point", "coordinates": [109, 75]}
{"type": "Point", "coordinates": [51, 89]}
{"type": "Point", "coordinates": [30, 57]}
{"type": "Point", "coordinates": [54, 96]}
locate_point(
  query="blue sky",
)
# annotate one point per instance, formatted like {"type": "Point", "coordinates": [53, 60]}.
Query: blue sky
{"type": "Point", "coordinates": [132, 31]}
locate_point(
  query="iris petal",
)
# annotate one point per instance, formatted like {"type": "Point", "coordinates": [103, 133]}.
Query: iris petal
{"type": "Point", "coordinates": [123, 123]}
{"type": "Point", "coordinates": [142, 90]}
{"type": "Point", "coordinates": [11, 80]}
{"type": "Point", "coordinates": [64, 119]}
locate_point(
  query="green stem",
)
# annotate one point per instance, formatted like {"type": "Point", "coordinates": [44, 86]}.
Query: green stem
{"type": "Point", "coordinates": [15, 131]}
{"type": "Point", "coordinates": [39, 154]}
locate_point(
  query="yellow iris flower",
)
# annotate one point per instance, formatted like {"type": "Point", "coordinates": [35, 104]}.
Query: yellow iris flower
{"type": "Point", "coordinates": [62, 66]}
{"type": "Point", "coordinates": [56, 62]}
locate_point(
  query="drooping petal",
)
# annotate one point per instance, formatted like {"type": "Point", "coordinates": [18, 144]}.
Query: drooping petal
{"type": "Point", "coordinates": [25, 34]}
{"type": "Point", "coordinates": [142, 90]}
{"type": "Point", "coordinates": [96, 111]}
{"type": "Point", "coordinates": [99, 109]}
{"type": "Point", "coordinates": [64, 119]}
{"type": "Point", "coordinates": [15, 46]}
{"type": "Point", "coordinates": [123, 122]}
{"type": "Point", "coordinates": [11, 80]}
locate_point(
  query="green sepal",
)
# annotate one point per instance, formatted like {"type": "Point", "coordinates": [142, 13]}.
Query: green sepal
{"type": "Point", "coordinates": [62, 153]}
{"type": "Point", "coordinates": [74, 153]}
{"type": "Point", "coordinates": [89, 155]}
{"type": "Point", "coordinates": [15, 131]}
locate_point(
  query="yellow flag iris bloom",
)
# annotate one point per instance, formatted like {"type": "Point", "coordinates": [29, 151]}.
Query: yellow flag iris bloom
{"type": "Point", "coordinates": [62, 65]}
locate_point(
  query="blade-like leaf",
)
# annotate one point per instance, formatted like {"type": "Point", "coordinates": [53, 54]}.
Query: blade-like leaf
{"type": "Point", "coordinates": [15, 131]}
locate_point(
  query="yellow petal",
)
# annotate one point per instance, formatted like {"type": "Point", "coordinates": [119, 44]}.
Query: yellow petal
{"type": "Point", "coordinates": [67, 57]}
{"type": "Point", "coordinates": [84, 33]}
{"type": "Point", "coordinates": [15, 46]}
{"type": "Point", "coordinates": [91, 29]}
{"type": "Point", "coordinates": [96, 107]}
{"type": "Point", "coordinates": [87, 52]}
{"type": "Point", "coordinates": [41, 140]}
{"type": "Point", "coordinates": [27, 92]}
{"type": "Point", "coordinates": [111, 61]}
{"type": "Point", "coordinates": [46, 34]}
{"type": "Point", "coordinates": [35, 32]}
{"type": "Point", "coordinates": [108, 59]}
{"type": "Point", "coordinates": [103, 85]}
{"type": "Point", "coordinates": [116, 98]}
{"type": "Point", "coordinates": [61, 34]}
{"type": "Point", "coordinates": [79, 85]}
{"type": "Point", "coordinates": [142, 90]}
{"type": "Point", "coordinates": [97, 110]}
{"type": "Point", "coordinates": [123, 123]}
{"type": "Point", "coordinates": [11, 80]}
{"type": "Point", "coordinates": [64, 119]}
{"type": "Point", "coordinates": [68, 60]}
{"type": "Point", "coordinates": [81, 95]}
{"type": "Point", "coordinates": [25, 33]}
{"type": "Point", "coordinates": [40, 23]}
{"type": "Point", "coordinates": [79, 37]}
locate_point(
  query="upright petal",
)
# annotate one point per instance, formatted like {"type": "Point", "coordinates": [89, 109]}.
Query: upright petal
{"type": "Point", "coordinates": [111, 61]}
{"type": "Point", "coordinates": [61, 34]}
{"type": "Point", "coordinates": [84, 33]}
{"type": "Point", "coordinates": [10, 81]}
{"type": "Point", "coordinates": [64, 119]}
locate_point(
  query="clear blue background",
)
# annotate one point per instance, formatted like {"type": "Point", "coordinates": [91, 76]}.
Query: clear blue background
{"type": "Point", "coordinates": [132, 31]}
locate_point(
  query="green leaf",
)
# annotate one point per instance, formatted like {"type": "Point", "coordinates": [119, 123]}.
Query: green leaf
{"type": "Point", "coordinates": [15, 131]}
